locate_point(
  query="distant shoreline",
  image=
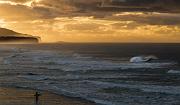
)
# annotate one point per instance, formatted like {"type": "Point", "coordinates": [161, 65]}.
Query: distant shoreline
{"type": "Point", "coordinates": [109, 42]}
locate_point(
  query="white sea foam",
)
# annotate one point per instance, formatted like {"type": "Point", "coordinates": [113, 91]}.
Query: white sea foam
{"type": "Point", "coordinates": [140, 59]}
{"type": "Point", "coordinates": [174, 72]}
{"type": "Point", "coordinates": [104, 102]}
{"type": "Point", "coordinates": [34, 77]}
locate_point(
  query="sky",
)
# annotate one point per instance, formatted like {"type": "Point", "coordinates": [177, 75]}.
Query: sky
{"type": "Point", "coordinates": [94, 20]}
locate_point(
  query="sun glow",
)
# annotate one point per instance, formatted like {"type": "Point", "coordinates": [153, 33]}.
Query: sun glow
{"type": "Point", "coordinates": [8, 2]}
{"type": "Point", "coordinates": [2, 23]}
{"type": "Point", "coordinates": [28, 3]}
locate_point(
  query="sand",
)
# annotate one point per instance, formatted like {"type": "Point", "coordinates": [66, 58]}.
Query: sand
{"type": "Point", "coordinates": [17, 96]}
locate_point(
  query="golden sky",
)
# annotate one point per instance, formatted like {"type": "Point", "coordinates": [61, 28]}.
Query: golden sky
{"type": "Point", "coordinates": [93, 20]}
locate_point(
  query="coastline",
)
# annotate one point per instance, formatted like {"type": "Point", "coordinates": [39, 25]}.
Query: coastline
{"type": "Point", "coordinates": [21, 96]}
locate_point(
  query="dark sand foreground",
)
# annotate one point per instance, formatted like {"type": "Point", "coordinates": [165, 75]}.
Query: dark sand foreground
{"type": "Point", "coordinates": [14, 96]}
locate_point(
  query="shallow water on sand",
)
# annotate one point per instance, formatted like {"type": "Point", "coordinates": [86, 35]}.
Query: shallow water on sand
{"type": "Point", "coordinates": [19, 96]}
{"type": "Point", "coordinates": [97, 72]}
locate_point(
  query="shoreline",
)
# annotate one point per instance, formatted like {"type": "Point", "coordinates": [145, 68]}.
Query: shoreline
{"type": "Point", "coordinates": [22, 96]}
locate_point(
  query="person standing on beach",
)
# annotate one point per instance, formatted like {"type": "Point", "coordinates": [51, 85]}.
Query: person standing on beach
{"type": "Point", "coordinates": [37, 94]}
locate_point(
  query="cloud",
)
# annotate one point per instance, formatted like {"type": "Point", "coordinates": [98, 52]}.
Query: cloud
{"type": "Point", "coordinates": [93, 20]}
{"type": "Point", "coordinates": [151, 18]}
{"type": "Point", "coordinates": [18, 12]}
{"type": "Point", "coordinates": [18, 1]}
{"type": "Point", "coordinates": [96, 8]}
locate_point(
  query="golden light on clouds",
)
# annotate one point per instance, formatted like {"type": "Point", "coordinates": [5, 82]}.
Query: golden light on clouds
{"type": "Point", "coordinates": [2, 23]}
{"type": "Point", "coordinates": [65, 22]}
{"type": "Point", "coordinates": [28, 3]}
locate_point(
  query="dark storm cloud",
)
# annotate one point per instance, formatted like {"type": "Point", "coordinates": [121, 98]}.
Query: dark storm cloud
{"type": "Point", "coordinates": [108, 5]}
{"type": "Point", "coordinates": [157, 5]}
{"type": "Point", "coordinates": [91, 7]}
{"type": "Point", "coordinates": [148, 18]}
{"type": "Point", "coordinates": [125, 5]}
{"type": "Point", "coordinates": [102, 9]}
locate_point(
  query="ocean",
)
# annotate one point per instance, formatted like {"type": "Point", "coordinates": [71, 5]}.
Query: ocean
{"type": "Point", "coordinates": [98, 72]}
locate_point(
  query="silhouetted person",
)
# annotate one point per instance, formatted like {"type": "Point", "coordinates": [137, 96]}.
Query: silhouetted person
{"type": "Point", "coordinates": [37, 94]}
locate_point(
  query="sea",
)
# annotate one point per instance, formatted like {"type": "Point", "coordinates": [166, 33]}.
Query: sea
{"type": "Point", "coordinates": [97, 72]}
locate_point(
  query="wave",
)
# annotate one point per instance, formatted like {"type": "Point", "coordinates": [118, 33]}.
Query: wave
{"type": "Point", "coordinates": [145, 88]}
{"type": "Point", "coordinates": [74, 62]}
{"type": "Point", "coordinates": [173, 72]}
{"type": "Point", "coordinates": [34, 77]}
{"type": "Point", "coordinates": [75, 75]}
{"type": "Point", "coordinates": [77, 62]}
{"type": "Point", "coordinates": [140, 59]}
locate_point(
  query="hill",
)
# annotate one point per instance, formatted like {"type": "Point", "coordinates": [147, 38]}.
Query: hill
{"type": "Point", "coordinates": [10, 36]}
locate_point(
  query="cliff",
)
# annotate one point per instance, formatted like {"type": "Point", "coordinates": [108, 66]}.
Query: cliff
{"type": "Point", "coordinates": [9, 36]}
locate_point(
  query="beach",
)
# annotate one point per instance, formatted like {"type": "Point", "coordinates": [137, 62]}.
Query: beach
{"type": "Point", "coordinates": [19, 96]}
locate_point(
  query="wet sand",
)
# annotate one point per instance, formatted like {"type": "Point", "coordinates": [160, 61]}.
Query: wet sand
{"type": "Point", "coordinates": [17, 96]}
